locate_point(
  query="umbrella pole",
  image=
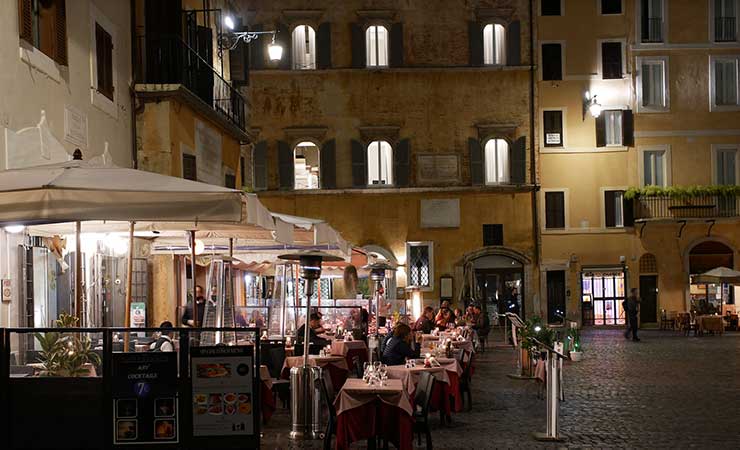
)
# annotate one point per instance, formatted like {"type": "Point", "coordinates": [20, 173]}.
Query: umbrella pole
{"type": "Point", "coordinates": [231, 247]}
{"type": "Point", "coordinates": [78, 272]}
{"type": "Point", "coordinates": [192, 273]}
{"type": "Point", "coordinates": [129, 283]}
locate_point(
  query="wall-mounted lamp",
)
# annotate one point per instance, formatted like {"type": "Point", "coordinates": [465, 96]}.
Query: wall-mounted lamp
{"type": "Point", "coordinates": [591, 105]}
{"type": "Point", "coordinates": [229, 39]}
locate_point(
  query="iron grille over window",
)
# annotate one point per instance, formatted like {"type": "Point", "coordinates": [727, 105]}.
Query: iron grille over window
{"type": "Point", "coordinates": [419, 265]}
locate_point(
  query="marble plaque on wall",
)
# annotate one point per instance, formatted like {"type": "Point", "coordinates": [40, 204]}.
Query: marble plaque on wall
{"type": "Point", "coordinates": [440, 213]}
{"type": "Point", "coordinates": [434, 169]}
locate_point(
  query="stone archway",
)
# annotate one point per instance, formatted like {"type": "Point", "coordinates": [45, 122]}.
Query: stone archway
{"type": "Point", "coordinates": [704, 254]}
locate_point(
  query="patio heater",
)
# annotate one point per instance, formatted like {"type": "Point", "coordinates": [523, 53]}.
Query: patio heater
{"type": "Point", "coordinates": [377, 274]}
{"type": "Point", "coordinates": [304, 381]}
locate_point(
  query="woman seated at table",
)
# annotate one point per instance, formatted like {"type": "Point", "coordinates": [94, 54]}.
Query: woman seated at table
{"type": "Point", "coordinates": [425, 323]}
{"type": "Point", "coordinates": [444, 317]}
{"type": "Point", "coordinates": [399, 346]}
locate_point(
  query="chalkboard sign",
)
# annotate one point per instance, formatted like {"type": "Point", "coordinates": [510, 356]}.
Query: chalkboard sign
{"type": "Point", "coordinates": [144, 388]}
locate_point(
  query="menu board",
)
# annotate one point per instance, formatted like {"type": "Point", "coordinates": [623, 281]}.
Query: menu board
{"type": "Point", "coordinates": [144, 391]}
{"type": "Point", "coordinates": [223, 390]}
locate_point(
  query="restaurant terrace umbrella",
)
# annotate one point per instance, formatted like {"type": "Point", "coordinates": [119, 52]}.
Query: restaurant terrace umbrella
{"type": "Point", "coordinates": [78, 190]}
{"type": "Point", "coordinates": [721, 276]}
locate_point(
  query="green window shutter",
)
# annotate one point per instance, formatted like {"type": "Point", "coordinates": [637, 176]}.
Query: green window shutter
{"type": "Point", "coordinates": [359, 164]}
{"type": "Point", "coordinates": [286, 166]}
{"type": "Point", "coordinates": [25, 20]}
{"type": "Point", "coordinates": [259, 162]}
{"type": "Point", "coordinates": [396, 47]}
{"type": "Point", "coordinates": [402, 163]}
{"type": "Point", "coordinates": [358, 45]}
{"type": "Point", "coordinates": [610, 218]}
{"type": "Point", "coordinates": [477, 176]}
{"type": "Point", "coordinates": [323, 46]}
{"type": "Point", "coordinates": [328, 166]}
{"type": "Point", "coordinates": [518, 161]}
{"type": "Point", "coordinates": [475, 44]}
{"type": "Point", "coordinates": [600, 131]}
{"type": "Point", "coordinates": [513, 44]}
{"type": "Point", "coordinates": [628, 128]}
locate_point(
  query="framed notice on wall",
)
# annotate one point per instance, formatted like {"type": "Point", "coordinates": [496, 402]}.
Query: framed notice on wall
{"type": "Point", "coordinates": [445, 288]}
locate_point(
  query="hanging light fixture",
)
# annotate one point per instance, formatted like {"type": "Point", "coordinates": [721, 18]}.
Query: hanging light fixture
{"type": "Point", "coordinates": [275, 51]}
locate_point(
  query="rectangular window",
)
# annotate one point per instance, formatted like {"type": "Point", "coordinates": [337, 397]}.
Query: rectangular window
{"type": "Point", "coordinates": [553, 128]}
{"type": "Point", "coordinates": [652, 84]}
{"type": "Point", "coordinates": [43, 24]}
{"type": "Point", "coordinates": [420, 265]}
{"type": "Point", "coordinates": [552, 62]}
{"type": "Point", "coordinates": [554, 210]}
{"type": "Point", "coordinates": [377, 46]}
{"type": "Point", "coordinates": [494, 44]}
{"type": "Point", "coordinates": [611, 6]}
{"type": "Point", "coordinates": [725, 166]}
{"type": "Point", "coordinates": [550, 8]}
{"type": "Point", "coordinates": [614, 209]}
{"type": "Point", "coordinates": [724, 82]}
{"type": "Point", "coordinates": [611, 60]}
{"type": "Point", "coordinates": [379, 163]}
{"type": "Point", "coordinates": [104, 61]}
{"type": "Point", "coordinates": [493, 234]}
{"type": "Point", "coordinates": [613, 127]}
{"type": "Point", "coordinates": [189, 167]}
{"type": "Point", "coordinates": [651, 21]}
{"type": "Point", "coordinates": [725, 20]}
{"type": "Point", "coordinates": [304, 48]}
{"type": "Point", "coordinates": [497, 161]}
{"type": "Point", "coordinates": [654, 168]}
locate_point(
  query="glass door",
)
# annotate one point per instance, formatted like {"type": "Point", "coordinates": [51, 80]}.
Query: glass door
{"type": "Point", "coordinates": [602, 297]}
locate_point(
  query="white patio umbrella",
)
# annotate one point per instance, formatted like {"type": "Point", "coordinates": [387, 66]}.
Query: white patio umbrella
{"type": "Point", "coordinates": [77, 190]}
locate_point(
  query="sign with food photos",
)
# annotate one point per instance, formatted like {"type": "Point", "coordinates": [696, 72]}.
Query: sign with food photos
{"type": "Point", "coordinates": [223, 390]}
{"type": "Point", "coordinates": [144, 388]}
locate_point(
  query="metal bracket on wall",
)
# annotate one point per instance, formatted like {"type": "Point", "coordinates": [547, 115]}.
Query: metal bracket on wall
{"type": "Point", "coordinates": [641, 233]}
{"type": "Point", "coordinates": [683, 225]}
{"type": "Point", "coordinates": [711, 223]}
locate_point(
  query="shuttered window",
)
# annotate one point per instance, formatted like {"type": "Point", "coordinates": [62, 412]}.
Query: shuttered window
{"type": "Point", "coordinates": [497, 161]}
{"type": "Point", "coordinates": [104, 61]}
{"type": "Point", "coordinates": [554, 210]}
{"type": "Point", "coordinates": [494, 44]}
{"type": "Point", "coordinates": [550, 7]}
{"type": "Point", "coordinates": [43, 24]}
{"type": "Point", "coordinates": [614, 209]}
{"type": "Point", "coordinates": [553, 125]}
{"type": "Point", "coordinates": [376, 48]}
{"type": "Point", "coordinates": [615, 128]}
{"type": "Point", "coordinates": [379, 163]}
{"type": "Point", "coordinates": [552, 62]}
{"type": "Point", "coordinates": [611, 60]}
{"type": "Point", "coordinates": [189, 167]}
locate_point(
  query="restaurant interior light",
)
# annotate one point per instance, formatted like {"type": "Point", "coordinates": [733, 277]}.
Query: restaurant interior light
{"type": "Point", "coordinates": [14, 229]}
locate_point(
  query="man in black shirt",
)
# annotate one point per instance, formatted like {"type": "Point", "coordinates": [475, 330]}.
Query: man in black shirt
{"type": "Point", "coordinates": [200, 301]}
{"type": "Point", "coordinates": [315, 323]}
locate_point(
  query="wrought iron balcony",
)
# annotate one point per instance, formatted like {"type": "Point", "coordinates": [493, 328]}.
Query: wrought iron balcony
{"type": "Point", "coordinates": [725, 29]}
{"type": "Point", "coordinates": [167, 60]}
{"type": "Point", "coordinates": [700, 207]}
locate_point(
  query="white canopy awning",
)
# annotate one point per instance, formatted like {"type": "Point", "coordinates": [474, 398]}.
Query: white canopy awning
{"type": "Point", "coordinates": [719, 275]}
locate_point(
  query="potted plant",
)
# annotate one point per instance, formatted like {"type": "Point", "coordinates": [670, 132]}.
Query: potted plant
{"type": "Point", "coordinates": [574, 344]}
{"type": "Point", "coordinates": [66, 354]}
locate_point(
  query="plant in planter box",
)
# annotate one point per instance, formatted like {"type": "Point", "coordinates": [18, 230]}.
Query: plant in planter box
{"type": "Point", "coordinates": [66, 354]}
{"type": "Point", "coordinates": [574, 343]}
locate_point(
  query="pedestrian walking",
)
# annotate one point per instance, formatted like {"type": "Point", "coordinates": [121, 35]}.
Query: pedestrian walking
{"type": "Point", "coordinates": [631, 305]}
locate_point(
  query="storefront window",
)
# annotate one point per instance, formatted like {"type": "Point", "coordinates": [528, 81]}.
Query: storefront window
{"type": "Point", "coordinates": [602, 297]}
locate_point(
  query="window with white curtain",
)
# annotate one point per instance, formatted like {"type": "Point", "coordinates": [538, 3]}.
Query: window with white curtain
{"type": "Point", "coordinates": [494, 44]}
{"type": "Point", "coordinates": [497, 161]}
{"type": "Point", "coordinates": [376, 38]}
{"type": "Point", "coordinates": [724, 82]}
{"type": "Point", "coordinates": [306, 165]}
{"type": "Point", "coordinates": [304, 48]}
{"type": "Point", "coordinates": [654, 168]}
{"type": "Point", "coordinates": [613, 121]}
{"type": "Point", "coordinates": [379, 163]}
{"type": "Point", "coordinates": [652, 84]}
{"type": "Point", "coordinates": [726, 166]}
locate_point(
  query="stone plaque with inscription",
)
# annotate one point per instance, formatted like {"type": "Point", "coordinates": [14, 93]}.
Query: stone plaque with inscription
{"type": "Point", "coordinates": [435, 169]}
{"type": "Point", "coordinates": [440, 213]}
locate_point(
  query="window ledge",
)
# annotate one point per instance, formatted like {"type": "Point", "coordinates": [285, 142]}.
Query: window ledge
{"type": "Point", "coordinates": [493, 189]}
{"type": "Point", "coordinates": [566, 150]}
{"type": "Point", "coordinates": [396, 69]}
{"type": "Point", "coordinates": [615, 230]}
{"type": "Point", "coordinates": [646, 110]}
{"type": "Point", "coordinates": [40, 61]}
{"type": "Point", "coordinates": [724, 108]}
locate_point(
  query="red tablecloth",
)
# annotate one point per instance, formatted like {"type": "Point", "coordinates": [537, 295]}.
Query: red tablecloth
{"type": "Point", "coordinates": [267, 402]}
{"type": "Point", "coordinates": [375, 419]}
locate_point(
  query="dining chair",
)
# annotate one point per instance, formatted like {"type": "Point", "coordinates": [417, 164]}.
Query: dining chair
{"type": "Point", "coordinates": [327, 395]}
{"type": "Point", "coordinates": [422, 397]}
{"type": "Point", "coordinates": [465, 378]}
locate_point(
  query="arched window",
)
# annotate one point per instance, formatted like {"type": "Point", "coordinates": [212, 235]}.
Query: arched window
{"type": "Point", "coordinates": [376, 38]}
{"type": "Point", "coordinates": [304, 48]}
{"type": "Point", "coordinates": [648, 263]}
{"type": "Point", "coordinates": [379, 163]}
{"type": "Point", "coordinates": [497, 161]}
{"type": "Point", "coordinates": [306, 163]}
{"type": "Point", "coordinates": [494, 44]}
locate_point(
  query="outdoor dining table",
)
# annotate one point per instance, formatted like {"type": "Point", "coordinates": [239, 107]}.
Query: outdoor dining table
{"type": "Point", "coordinates": [336, 365]}
{"type": "Point", "coordinates": [429, 341]}
{"type": "Point", "coordinates": [349, 349]}
{"type": "Point", "coordinates": [366, 411]}
{"type": "Point", "coordinates": [711, 323]}
{"type": "Point", "coordinates": [442, 390]}
{"type": "Point", "coordinates": [267, 400]}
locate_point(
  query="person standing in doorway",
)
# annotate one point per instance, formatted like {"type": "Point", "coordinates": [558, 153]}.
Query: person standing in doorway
{"type": "Point", "coordinates": [188, 315]}
{"type": "Point", "coordinates": [631, 306]}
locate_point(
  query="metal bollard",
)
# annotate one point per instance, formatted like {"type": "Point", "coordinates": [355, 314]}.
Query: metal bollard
{"type": "Point", "coordinates": [554, 377]}
{"type": "Point", "coordinates": [305, 401]}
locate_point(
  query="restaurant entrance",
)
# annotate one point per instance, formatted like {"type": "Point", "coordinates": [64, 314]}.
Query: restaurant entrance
{"type": "Point", "coordinates": [708, 298]}
{"type": "Point", "coordinates": [500, 281]}
{"type": "Point", "coordinates": [602, 294]}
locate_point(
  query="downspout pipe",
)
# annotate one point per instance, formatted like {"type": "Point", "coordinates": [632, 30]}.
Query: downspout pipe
{"type": "Point", "coordinates": [532, 139]}
{"type": "Point", "coordinates": [132, 90]}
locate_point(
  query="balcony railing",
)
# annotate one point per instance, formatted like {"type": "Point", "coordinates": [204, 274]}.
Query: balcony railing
{"type": "Point", "coordinates": [652, 29]}
{"type": "Point", "coordinates": [701, 207]}
{"type": "Point", "coordinates": [165, 59]}
{"type": "Point", "coordinates": [725, 29]}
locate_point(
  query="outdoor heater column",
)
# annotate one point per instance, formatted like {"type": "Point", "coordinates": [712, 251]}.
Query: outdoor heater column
{"type": "Point", "coordinates": [377, 274]}
{"type": "Point", "coordinates": [304, 387]}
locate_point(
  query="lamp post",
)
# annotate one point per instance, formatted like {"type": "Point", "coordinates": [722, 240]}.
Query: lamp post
{"type": "Point", "coordinates": [377, 274]}
{"type": "Point", "coordinates": [305, 400]}
{"type": "Point", "coordinates": [229, 39]}
{"type": "Point", "coordinates": [591, 105]}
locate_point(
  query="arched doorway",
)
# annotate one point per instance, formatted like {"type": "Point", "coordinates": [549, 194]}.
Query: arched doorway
{"type": "Point", "coordinates": [705, 256]}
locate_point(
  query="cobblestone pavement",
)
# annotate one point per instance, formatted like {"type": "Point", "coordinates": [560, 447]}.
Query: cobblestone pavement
{"type": "Point", "coordinates": [667, 391]}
